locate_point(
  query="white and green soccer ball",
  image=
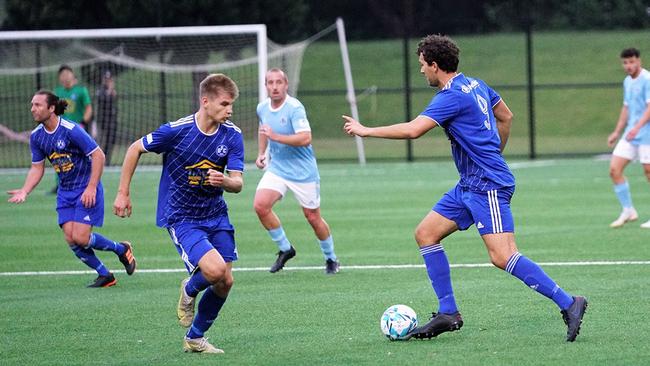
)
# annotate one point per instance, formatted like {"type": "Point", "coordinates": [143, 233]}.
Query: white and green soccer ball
{"type": "Point", "coordinates": [398, 321]}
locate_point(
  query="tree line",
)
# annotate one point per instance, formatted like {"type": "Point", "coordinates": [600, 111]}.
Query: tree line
{"type": "Point", "coordinates": [290, 20]}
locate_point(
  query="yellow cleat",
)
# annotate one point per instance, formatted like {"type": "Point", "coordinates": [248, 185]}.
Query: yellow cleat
{"type": "Point", "coordinates": [185, 310]}
{"type": "Point", "coordinates": [199, 345]}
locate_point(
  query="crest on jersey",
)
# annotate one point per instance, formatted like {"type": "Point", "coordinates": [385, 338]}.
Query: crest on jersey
{"type": "Point", "coordinates": [283, 121]}
{"type": "Point", "coordinates": [222, 150]}
{"type": "Point", "coordinates": [60, 144]}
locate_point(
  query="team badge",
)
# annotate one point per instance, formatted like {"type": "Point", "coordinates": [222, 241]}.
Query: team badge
{"type": "Point", "coordinates": [283, 121]}
{"type": "Point", "coordinates": [222, 150]}
{"type": "Point", "coordinates": [60, 144]}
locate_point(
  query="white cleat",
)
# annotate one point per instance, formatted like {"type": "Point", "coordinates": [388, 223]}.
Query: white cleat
{"type": "Point", "coordinates": [646, 225]}
{"type": "Point", "coordinates": [628, 214]}
{"type": "Point", "coordinates": [185, 310]}
{"type": "Point", "coordinates": [199, 345]}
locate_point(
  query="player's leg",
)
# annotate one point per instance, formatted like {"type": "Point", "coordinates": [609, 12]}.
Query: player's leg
{"type": "Point", "coordinates": [493, 211]}
{"type": "Point", "coordinates": [270, 190]}
{"type": "Point", "coordinates": [72, 231]}
{"type": "Point", "coordinates": [447, 216]}
{"type": "Point", "coordinates": [623, 154]}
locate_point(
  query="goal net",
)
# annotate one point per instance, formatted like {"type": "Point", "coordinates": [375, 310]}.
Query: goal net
{"type": "Point", "coordinates": [154, 72]}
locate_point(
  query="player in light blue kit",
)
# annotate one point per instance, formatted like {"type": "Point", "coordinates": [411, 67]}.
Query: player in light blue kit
{"type": "Point", "coordinates": [197, 150]}
{"type": "Point", "coordinates": [477, 122]}
{"type": "Point", "coordinates": [635, 143]}
{"type": "Point", "coordinates": [78, 162]}
{"type": "Point", "coordinates": [285, 130]}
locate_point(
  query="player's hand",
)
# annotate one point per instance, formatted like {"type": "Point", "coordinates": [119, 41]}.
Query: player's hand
{"type": "Point", "coordinates": [632, 134]}
{"type": "Point", "coordinates": [260, 162]}
{"type": "Point", "coordinates": [122, 205]}
{"type": "Point", "coordinates": [353, 127]}
{"type": "Point", "coordinates": [89, 196]}
{"type": "Point", "coordinates": [611, 139]}
{"type": "Point", "coordinates": [266, 130]}
{"type": "Point", "coordinates": [17, 196]}
{"type": "Point", "coordinates": [215, 178]}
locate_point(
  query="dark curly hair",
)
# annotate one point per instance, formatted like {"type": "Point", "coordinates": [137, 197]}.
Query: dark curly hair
{"type": "Point", "coordinates": [52, 100]}
{"type": "Point", "coordinates": [630, 52]}
{"type": "Point", "coordinates": [441, 50]}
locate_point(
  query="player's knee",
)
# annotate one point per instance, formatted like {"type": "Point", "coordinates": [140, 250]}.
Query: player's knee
{"type": "Point", "coordinates": [261, 209]}
{"type": "Point", "coordinates": [615, 173]}
{"type": "Point", "coordinates": [498, 261]}
{"type": "Point", "coordinates": [80, 238]}
{"type": "Point", "coordinates": [214, 274]}
{"type": "Point", "coordinates": [424, 236]}
{"type": "Point", "coordinates": [313, 217]}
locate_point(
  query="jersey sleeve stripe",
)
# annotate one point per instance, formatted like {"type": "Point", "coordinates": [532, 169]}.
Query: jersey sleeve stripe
{"type": "Point", "coordinates": [90, 153]}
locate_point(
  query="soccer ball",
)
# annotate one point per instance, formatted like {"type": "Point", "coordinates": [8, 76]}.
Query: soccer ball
{"type": "Point", "coordinates": [398, 321]}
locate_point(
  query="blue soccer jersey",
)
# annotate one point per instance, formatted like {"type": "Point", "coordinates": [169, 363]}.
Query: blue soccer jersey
{"type": "Point", "coordinates": [184, 195]}
{"type": "Point", "coordinates": [68, 148]}
{"type": "Point", "coordinates": [464, 109]}
{"type": "Point", "coordinates": [636, 98]}
{"type": "Point", "coordinates": [294, 163]}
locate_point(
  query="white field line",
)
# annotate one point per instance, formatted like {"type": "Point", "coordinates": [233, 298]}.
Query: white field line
{"type": "Point", "coordinates": [320, 268]}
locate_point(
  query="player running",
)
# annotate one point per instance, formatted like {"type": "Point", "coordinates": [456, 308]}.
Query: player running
{"type": "Point", "coordinates": [78, 162]}
{"type": "Point", "coordinates": [635, 143]}
{"type": "Point", "coordinates": [197, 150]}
{"type": "Point", "coordinates": [477, 122]}
{"type": "Point", "coordinates": [285, 130]}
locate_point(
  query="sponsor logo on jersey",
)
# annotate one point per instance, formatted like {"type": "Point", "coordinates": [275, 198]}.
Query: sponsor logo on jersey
{"type": "Point", "coordinates": [62, 162]}
{"type": "Point", "coordinates": [197, 173]}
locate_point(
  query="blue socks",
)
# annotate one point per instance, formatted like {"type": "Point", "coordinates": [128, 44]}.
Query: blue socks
{"type": "Point", "coordinates": [101, 243]}
{"type": "Point", "coordinates": [88, 256]}
{"type": "Point", "coordinates": [327, 246]}
{"type": "Point", "coordinates": [439, 273]}
{"type": "Point", "coordinates": [280, 238]}
{"type": "Point", "coordinates": [196, 284]}
{"type": "Point", "coordinates": [534, 277]}
{"type": "Point", "coordinates": [623, 194]}
{"type": "Point", "coordinates": [208, 311]}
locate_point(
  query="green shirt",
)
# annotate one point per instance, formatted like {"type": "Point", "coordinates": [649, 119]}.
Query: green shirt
{"type": "Point", "coordinates": [78, 98]}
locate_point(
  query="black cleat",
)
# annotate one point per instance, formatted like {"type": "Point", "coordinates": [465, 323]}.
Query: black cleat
{"type": "Point", "coordinates": [331, 266]}
{"type": "Point", "coordinates": [283, 257]}
{"type": "Point", "coordinates": [104, 281]}
{"type": "Point", "coordinates": [438, 324]}
{"type": "Point", "coordinates": [127, 259]}
{"type": "Point", "coordinates": [573, 317]}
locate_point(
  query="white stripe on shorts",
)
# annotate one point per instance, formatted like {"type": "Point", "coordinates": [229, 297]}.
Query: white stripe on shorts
{"type": "Point", "coordinates": [495, 211]}
{"type": "Point", "coordinates": [184, 255]}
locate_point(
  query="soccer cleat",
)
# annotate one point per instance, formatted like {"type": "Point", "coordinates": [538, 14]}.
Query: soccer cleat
{"type": "Point", "coordinates": [127, 259]}
{"type": "Point", "coordinates": [646, 225]}
{"type": "Point", "coordinates": [438, 324]}
{"type": "Point", "coordinates": [331, 266]}
{"type": "Point", "coordinates": [573, 317]}
{"type": "Point", "coordinates": [185, 310]}
{"type": "Point", "coordinates": [200, 345]}
{"type": "Point", "coordinates": [627, 215]}
{"type": "Point", "coordinates": [283, 257]}
{"type": "Point", "coordinates": [104, 281]}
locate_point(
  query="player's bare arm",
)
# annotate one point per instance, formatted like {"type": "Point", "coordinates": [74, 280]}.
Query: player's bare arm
{"type": "Point", "coordinates": [122, 204]}
{"type": "Point", "coordinates": [298, 139]}
{"type": "Point", "coordinates": [262, 144]}
{"type": "Point", "coordinates": [639, 125]}
{"type": "Point", "coordinates": [504, 122]}
{"type": "Point", "coordinates": [407, 130]}
{"type": "Point", "coordinates": [89, 196]}
{"type": "Point", "coordinates": [620, 125]}
{"type": "Point", "coordinates": [232, 182]}
{"type": "Point", "coordinates": [31, 181]}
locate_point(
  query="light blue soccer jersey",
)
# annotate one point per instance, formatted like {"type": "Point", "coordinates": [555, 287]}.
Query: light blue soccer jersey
{"type": "Point", "coordinates": [463, 108]}
{"type": "Point", "coordinates": [636, 97]}
{"type": "Point", "coordinates": [184, 195]}
{"type": "Point", "coordinates": [294, 163]}
{"type": "Point", "coordinates": [68, 148]}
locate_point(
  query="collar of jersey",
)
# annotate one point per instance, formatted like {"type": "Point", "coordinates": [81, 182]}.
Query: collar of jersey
{"type": "Point", "coordinates": [58, 123]}
{"type": "Point", "coordinates": [281, 105]}
{"type": "Point", "coordinates": [196, 123]}
{"type": "Point", "coordinates": [448, 85]}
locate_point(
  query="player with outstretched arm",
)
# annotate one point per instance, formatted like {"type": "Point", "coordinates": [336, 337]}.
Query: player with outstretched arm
{"type": "Point", "coordinates": [477, 122]}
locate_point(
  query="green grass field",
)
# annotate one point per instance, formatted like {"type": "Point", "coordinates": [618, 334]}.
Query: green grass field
{"type": "Point", "coordinates": [296, 317]}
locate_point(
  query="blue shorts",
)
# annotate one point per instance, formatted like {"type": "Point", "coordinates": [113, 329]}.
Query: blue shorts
{"type": "Point", "coordinates": [489, 210]}
{"type": "Point", "coordinates": [70, 208]}
{"type": "Point", "coordinates": [193, 240]}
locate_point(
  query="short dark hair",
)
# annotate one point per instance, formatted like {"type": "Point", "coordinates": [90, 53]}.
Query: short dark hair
{"type": "Point", "coordinates": [630, 52]}
{"type": "Point", "coordinates": [214, 84]}
{"type": "Point", "coordinates": [439, 49]}
{"type": "Point", "coordinates": [52, 100]}
{"type": "Point", "coordinates": [65, 67]}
